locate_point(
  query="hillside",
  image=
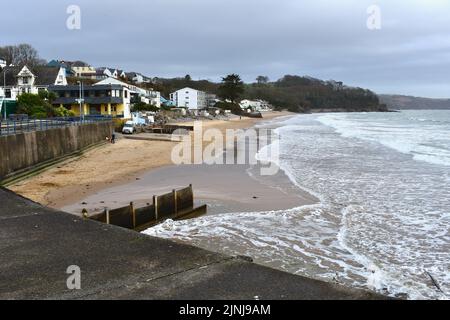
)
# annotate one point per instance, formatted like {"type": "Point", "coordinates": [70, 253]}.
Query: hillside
{"type": "Point", "coordinates": [295, 93]}
{"type": "Point", "coordinates": [399, 102]}
{"type": "Point", "coordinates": [306, 94]}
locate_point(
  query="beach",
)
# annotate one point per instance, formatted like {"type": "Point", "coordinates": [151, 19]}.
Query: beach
{"type": "Point", "coordinates": [115, 165]}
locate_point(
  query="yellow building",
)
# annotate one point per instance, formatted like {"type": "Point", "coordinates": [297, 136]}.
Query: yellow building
{"type": "Point", "coordinates": [98, 100]}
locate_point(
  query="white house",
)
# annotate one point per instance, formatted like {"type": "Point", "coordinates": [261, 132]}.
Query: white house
{"type": "Point", "coordinates": [2, 63]}
{"type": "Point", "coordinates": [15, 80]}
{"type": "Point", "coordinates": [137, 78]}
{"type": "Point", "coordinates": [147, 96]}
{"type": "Point", "coordinates": [189, 98]}
{"type": "Point", "coordinates": [255, 105]}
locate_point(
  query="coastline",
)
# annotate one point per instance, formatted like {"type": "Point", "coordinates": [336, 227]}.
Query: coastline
{"type": "Point", "coordinates": [112, 166]}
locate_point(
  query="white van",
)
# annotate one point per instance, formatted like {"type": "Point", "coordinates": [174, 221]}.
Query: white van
{"type": "Point", "coordinates": [128, 128]}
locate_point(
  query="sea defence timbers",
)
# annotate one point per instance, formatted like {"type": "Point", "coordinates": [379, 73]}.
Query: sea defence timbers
{"type": "Point", "coordinates": [25, 150]}
{"type": "Point", "coordinates": [176, 205]}
{"type": "Point", "coordinates": [39, 244]}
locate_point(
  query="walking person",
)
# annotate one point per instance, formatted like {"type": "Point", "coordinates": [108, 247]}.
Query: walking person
{"type": "Point", "coordinates": [113, 138]}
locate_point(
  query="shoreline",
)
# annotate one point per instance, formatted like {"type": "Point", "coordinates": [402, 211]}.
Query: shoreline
{"type": "Point", "coordinates": [112, 166]}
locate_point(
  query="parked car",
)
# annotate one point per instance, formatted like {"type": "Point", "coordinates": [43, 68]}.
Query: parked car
{"type": "Point", "coordinates": [128, 128]}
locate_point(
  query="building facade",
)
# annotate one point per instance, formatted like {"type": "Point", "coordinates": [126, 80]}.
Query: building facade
{"type": "Point", "coordinates": [189, 98]}
{"type": "Point", "coordinates": [98, 100]}
{"type": "Point", "coordinates": [17, 80]}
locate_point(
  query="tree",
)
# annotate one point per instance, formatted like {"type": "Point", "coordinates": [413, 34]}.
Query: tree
{"type": "Point", "coordinates": [39, 106]}
{"type": "Point", "coordinates": [232, 88]}
{"type": "Point", "coordinates": [188, 78]}
{"type": "Point", "coordinates": [22, 54]}
{"type": "Point", "coordinates": [142, 106]}
{"type": "Point", "coordinates": [262, 79]}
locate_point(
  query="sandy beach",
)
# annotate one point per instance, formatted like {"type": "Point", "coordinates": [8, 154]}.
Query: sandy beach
{"type": "Point", "coordinates": [127, 161]}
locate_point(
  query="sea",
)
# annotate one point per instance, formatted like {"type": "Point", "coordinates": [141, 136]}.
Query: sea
{"type": "Point", "coordinates": [383, 220]}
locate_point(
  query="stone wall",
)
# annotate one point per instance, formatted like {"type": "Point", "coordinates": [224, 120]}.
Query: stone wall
{"type": "Point", "coordinates": [25, 150]}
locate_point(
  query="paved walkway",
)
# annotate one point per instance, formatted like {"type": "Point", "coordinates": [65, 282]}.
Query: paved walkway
{"type": "Point", "coordinates": [38, 244]}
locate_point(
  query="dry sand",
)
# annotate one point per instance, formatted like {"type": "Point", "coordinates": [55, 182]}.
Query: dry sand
{"type": "Point", "coordinates": [108, 166]}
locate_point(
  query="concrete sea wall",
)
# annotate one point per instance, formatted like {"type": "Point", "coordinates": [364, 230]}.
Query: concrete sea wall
{"type": "Point", "coordinates": [25, 150]}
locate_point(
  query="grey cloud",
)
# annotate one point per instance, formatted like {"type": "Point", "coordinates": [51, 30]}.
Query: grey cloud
{"type": "Point", "coordinates": [210, 38]}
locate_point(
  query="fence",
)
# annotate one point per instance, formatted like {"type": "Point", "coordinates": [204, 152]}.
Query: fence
{"type": "Point", "coordinates": [177, 205]}
{"type": "Point", "coordinates": [9, 127]}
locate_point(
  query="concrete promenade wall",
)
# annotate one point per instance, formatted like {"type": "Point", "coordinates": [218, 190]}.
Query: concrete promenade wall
{"type": "Point", "coordinates": [25, 150]}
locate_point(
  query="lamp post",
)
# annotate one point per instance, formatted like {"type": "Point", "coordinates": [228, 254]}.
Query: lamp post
{"type": "Point", "coordinates": [81, 100]}
{"type": "Point", "coordinates": [4, 92]}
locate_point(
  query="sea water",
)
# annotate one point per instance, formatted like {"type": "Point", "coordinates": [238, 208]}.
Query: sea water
{"type": "Point", "coordinates": [383, 221]}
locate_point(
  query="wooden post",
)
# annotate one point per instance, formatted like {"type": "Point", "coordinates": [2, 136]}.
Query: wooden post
{"type": "Point", "coordinates": [175, 201]}
{"type": "Point", "coordinates": [133, 214]}
{"type": "Point", "coordinates": [107, 216]}
{"type": "Point", "coordinates": [155, 204]}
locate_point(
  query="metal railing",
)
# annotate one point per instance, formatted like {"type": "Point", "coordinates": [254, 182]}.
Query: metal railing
{"type": "Point", "coordinates": [14, 126]}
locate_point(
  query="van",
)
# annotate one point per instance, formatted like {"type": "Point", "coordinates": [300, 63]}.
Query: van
{"type": "Point", "coordinates": [128, 128]}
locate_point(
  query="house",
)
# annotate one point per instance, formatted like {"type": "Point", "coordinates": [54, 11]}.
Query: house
{"type": "Point", "coordinates": [121, 74]}
{"type": "Point", "coordinates": [138, 94]}
{"type": "Point", "coordinates": [2, 63]}
{"type": "Point", "coordinates": [18, 80]}
{"type": "Point", "coordinates": [189, 98]}
{"type": "Point", "coordinates": [98, 99]}
{"type": "Point", "coordinates": [62, 64]}
{"type": "Point", "coordinates": [104, 73]}
{"type": "Point", "coordinates": [255, 105]}
{"type": "Point", "coordinates": [83, 70]}
{"type": "Point", "coordinates": [137, 78]}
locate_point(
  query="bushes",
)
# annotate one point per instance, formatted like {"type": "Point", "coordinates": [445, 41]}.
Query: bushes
{"type": "Point", "coordinates": [141, 106]}
{"type": "Point", "coordinates": [39, 106]}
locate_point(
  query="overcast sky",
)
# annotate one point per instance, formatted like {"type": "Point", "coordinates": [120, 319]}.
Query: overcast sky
{"type": "Point", "coordinates": [211, 38]}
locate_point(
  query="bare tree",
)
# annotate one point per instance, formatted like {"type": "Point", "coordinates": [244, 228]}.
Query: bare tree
{"type": "Point", "coordinates": [22, 54]}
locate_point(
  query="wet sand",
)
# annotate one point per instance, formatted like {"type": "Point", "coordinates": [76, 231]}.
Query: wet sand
{"type": "Point", "coordinates": [110, 165]}
{"type": "Point", "coordinates": [225, 188]}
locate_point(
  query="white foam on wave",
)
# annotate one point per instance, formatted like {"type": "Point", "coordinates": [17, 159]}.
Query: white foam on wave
{"type": "Point", "coordinates": [375, 227]}
{"type": "Point", "coordinates": [404, 135]}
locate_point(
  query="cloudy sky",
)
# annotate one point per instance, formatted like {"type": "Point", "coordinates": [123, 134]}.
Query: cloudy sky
{"type": "Point", "coordinates": [327, 39]}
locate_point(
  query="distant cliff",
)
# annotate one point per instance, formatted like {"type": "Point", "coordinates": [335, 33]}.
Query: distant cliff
{"type": "Point", "coordinates": [399, 102]}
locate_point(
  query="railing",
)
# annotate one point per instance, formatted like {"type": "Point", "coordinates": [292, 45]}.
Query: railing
{"type": "Point", "coordinates": [11, 127]}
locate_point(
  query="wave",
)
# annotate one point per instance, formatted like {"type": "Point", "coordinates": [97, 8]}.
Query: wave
{"type": "Point", "coordinates": [429, 143]}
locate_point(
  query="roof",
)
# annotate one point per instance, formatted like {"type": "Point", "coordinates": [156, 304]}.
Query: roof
{"type": "Point", "coordinates": [44, 75]}
{"type": "Point", "coordinates": [111, 81]}
{"type": "Point", "coordinates": [186, 88]}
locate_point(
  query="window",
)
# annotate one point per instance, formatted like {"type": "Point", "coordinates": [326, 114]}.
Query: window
{"type": "Point", "coordinates": [25, 80]}
{"type": "Point", "coordinates": [126, 94]}
{"type": "Point", "coordinates": [8, 93]}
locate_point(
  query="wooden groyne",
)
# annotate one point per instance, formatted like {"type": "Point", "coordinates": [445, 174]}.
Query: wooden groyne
{"type": "Point", "coordinates": [176, 205]}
